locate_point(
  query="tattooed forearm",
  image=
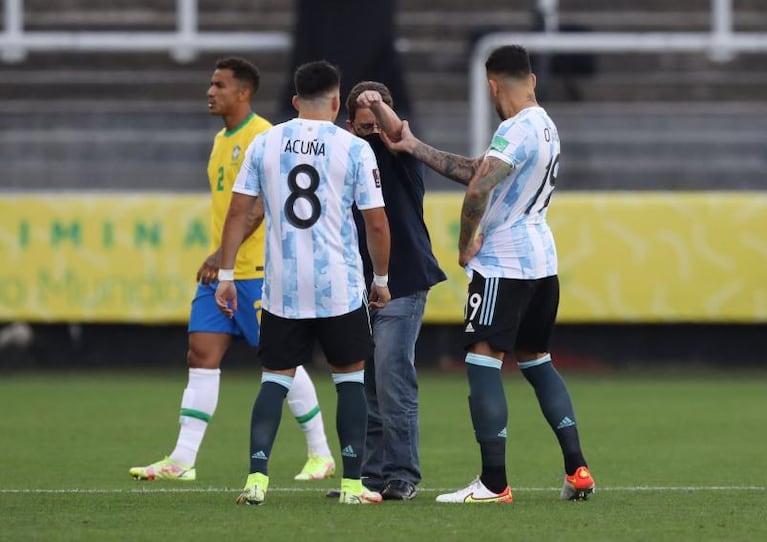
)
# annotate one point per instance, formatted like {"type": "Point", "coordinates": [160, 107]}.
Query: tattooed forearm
{"type": "Point", "coordinates": [473, 208]}
{"type": "Point", "coordinates": [254, 217]}
{"type": "Point", "coordinates": [453, 166]}
{"type": "Point", "coordinates": [491, 172]}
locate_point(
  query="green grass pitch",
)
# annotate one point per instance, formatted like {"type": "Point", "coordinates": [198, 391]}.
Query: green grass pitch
{"type": "Point", "coordinates": [674, 458]}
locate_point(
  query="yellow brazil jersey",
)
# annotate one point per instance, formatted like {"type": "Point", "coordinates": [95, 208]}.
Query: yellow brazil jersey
{"type": "Point", "coordinates": [225, 160]}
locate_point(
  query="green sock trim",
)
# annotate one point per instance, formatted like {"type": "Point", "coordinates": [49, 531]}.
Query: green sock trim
{"type": "Point", "coordinates": [199, 414]}
{"type": "Point", "coordinates": [308, 416]}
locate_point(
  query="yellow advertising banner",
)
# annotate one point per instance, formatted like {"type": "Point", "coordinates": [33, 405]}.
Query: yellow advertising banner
{"type": "Point", "coordinates": [101, 257]}
{"type": "Point", "coordinates": [636, 256]}
{"type": "Point", "coordinates": [624, 257]}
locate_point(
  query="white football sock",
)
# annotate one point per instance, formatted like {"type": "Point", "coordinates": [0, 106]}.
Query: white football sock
{"type": "Point", "coordinates": [303, 404]}
{"type": "Point", "coordinates": [197, 407]}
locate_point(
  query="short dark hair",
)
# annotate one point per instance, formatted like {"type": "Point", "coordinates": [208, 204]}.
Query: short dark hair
{"type": "Point", "coordinates": [359, 88]}
{"type": "Point", "coordinates": [244, 71]}
{"type": "Point", "coordinates": [314, 79]}
{"type": "Point", "coordinates": [510, 60]}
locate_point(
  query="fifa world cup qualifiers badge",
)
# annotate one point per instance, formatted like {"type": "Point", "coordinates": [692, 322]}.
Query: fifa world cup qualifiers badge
{"type": "Point", "coordinates": [499, 144]}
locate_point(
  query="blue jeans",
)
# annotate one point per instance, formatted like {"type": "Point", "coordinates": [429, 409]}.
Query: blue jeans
{"type": "Point", "coordinates": [391, 387]}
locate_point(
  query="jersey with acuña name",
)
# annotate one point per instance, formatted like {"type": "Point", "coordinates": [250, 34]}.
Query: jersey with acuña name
{"type": "Point", "coordinates": [310, 173]}
{"type": "Point", "coordinates": [225, 160]}
{"type": "Point", "coordinates": [518, 242]}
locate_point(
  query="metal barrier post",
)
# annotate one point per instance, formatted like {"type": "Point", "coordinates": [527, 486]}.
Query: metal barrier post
{"type": "Point", "coordinates": [721, 31]}
{"type": "Point", "coordinates": [13, 15]}
{"type": "Point", "coordinates": [186, 29]}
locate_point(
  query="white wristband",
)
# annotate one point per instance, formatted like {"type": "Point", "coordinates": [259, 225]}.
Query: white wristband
{"type": "Point", "coordinates": [226, 274]}
{"type": "Point", "coordinates": [381, 280]}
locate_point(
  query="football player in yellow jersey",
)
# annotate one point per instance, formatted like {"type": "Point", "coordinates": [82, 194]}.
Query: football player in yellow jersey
{"type": "Point", "coordinates": [232, 87]}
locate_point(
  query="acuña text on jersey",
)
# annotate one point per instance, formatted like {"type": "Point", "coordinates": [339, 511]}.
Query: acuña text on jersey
{"type": "Point", "coordinates": [300, 146]}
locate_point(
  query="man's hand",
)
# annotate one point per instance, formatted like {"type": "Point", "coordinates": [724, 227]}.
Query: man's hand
{"type": "Point", "coordinates": [379, 296]}
{"type": "Point", "coordinates": [208, 271]}
{"type": "Point", "coordinates": [226, 297]}
{"type": "Point", "coordinates": [470, 251]}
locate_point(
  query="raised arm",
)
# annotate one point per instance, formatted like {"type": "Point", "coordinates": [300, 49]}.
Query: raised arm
{"type": "Point", "coordinates": [387, 118]}
{"type": "Point", "coordinates": [453, 166]}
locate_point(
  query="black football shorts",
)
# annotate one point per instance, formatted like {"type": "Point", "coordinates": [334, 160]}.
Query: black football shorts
{"type": "Point", "coordinates": [287, 343]}
{"type": "Point", "coordinates": [511, 314]}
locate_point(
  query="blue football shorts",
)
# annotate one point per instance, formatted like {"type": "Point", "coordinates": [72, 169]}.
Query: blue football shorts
{"type": "Point", "coordinates": [205, 316]}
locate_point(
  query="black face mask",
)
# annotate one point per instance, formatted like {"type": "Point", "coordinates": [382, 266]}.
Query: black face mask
{"type": "Point", "coordinates": [373, 139]}
{"type": "Point", "coordinates": [379, 147]}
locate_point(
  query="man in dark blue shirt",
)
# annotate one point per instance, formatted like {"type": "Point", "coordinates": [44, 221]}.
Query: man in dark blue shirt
{"type": "Point", "coordinates": [391, 462]}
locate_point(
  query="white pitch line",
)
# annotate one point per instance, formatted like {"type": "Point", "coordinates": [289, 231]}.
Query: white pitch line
{"type": "Point", "coordinates": [320, 490]}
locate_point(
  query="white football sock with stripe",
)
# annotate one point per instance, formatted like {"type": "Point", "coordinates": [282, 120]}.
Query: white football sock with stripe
{"type": "Point", "coordinates": [197, 407]}
{"type": "Point", "coordinates": [303, 404]}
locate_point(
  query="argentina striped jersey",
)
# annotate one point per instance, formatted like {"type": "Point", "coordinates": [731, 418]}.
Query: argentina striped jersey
{"type": "Point", "coordinates": [310, 173]}
{"type": "Point", "coordinates": [518, 242]}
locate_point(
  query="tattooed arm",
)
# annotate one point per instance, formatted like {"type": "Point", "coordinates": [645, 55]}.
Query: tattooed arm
{"type": "Point", "coordinates": [491, 172]}
{"type": "Point", "coordinates": [208, 271]}
{"type": "Point", "coordinates": [453, 166]}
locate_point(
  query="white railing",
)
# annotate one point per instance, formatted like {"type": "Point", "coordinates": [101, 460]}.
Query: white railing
{"type": "Point", "coordinates": [183, 44]}
{"type": "Point", "coordinates": [720, 44]}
